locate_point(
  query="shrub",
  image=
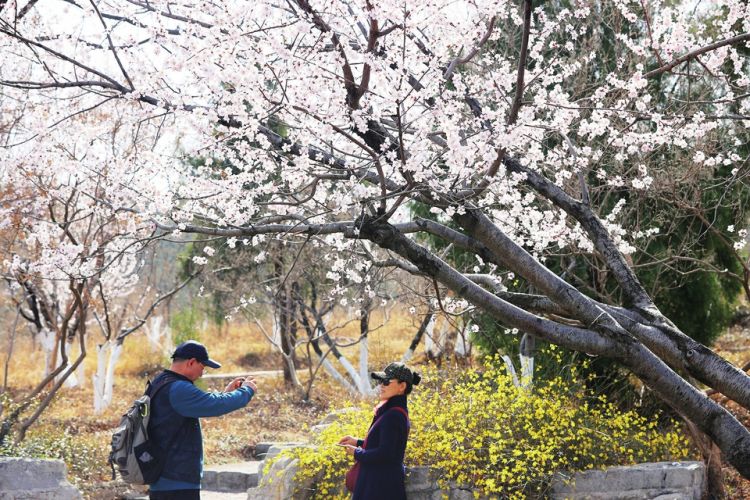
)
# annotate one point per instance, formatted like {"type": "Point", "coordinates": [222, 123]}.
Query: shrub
{"type": "Point", "coordinates": [481, 430]}
{"type": "Point", "coordinates": [85, 458]}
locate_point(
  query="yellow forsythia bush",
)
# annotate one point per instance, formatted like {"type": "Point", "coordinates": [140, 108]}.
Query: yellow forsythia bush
{"type": "Point", "coordinates": [505, 441]}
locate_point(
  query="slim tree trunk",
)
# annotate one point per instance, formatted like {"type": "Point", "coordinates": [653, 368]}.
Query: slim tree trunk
{"type": "Point", "coordinates": [427, 321]}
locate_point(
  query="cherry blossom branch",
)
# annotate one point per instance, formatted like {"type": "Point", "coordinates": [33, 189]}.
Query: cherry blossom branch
{"type": "Point", "coordinates": [351, 87]}
{"type": "Point", "coordinates": [112, 45]}
{"type": "Point", "coordinates": [474, 51]}
{"type": "Point", "coordinates": [371, 43]}
{"type": "Point", "coordinates": [650, 33]}
{"type": "Point", "coordinates": [599, 235]}
{"type": "Point", "coordinates": [735, 40]}
{"type": "Point", "coordinates": [169, 15]}
{"type": "Point", "coordinates": [513, 114]}
{"type": "Point", "coordinates": [6, 29]}
{"type": "Point", "coordinates": [25, 10]}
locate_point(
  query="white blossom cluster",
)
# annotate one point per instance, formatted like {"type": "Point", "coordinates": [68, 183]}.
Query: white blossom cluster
{"type": "Point", "coordinates": [146, 140]}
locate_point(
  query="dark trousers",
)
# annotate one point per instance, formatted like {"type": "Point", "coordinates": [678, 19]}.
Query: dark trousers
{"type": "Point", "coordinates": [175, 495]}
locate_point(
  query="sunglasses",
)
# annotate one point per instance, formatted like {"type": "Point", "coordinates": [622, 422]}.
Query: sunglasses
{"type": "Point", "coordinates": [384, 382]}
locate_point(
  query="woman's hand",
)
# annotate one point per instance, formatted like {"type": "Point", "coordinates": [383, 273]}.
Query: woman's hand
{"type": "Point", "coordinates": [348, 440]}
{"type": "Point", "coordinates": [349, 448]}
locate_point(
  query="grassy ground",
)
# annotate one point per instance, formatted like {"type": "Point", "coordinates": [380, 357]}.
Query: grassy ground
{"type": "Point", "coordinates": [70, 429]}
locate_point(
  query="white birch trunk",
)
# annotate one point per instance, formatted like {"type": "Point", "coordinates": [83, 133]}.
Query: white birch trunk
{"type": "Point", "coordinates": [429, 341]}
{"type": "Point", "coordinates": [351, 371]}
{"type": "Point", "coordinates": [48, 344]}
{"type": "Point", "coordinates": [158, 335]}
{"type": "Point", "coordinates": [275, 332]}
{"type": "Point", "coordinates": [76, 379]}
{"type": "Point", "coordinates": [331, 370]}
{"type": "Point", "coordinates": [107, 356]}
{"type": "Point", "coordinates": [527, 371]}
{"type": "Point", "coordinates": [463, 344]}
{"type": "Point", "coordinates": [364, 373]}
{"type": "Point", "coordinates": [511, 370]}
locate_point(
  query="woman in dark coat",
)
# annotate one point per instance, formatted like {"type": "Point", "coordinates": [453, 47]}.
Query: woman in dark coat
{"type": "Point", "coordinates": [381, 458]}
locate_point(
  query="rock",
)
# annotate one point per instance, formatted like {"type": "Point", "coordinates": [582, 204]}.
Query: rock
{"type": "Point", "coordinates": [35, 479]}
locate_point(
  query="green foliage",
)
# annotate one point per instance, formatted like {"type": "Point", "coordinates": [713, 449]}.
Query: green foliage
{"type": "Point", "coordinates": [481, 430]}
{"type": "Point", "coordinates": [84, 458]}
{"type": "Point", "coordinates": [184, 325]}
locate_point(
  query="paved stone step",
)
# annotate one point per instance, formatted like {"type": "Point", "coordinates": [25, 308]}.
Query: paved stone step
{"type": "Point", "coordinates": [237, 477]}
{"type": "Point", "coordinates": [223, 495]}
{"type": "Point", "coordinates": [207, 495]}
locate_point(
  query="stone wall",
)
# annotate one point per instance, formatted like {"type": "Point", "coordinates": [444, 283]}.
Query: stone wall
{"type": "Point", "coordinates": [662, 480]}
{"type": "Point", "coordinates": [32, 479]}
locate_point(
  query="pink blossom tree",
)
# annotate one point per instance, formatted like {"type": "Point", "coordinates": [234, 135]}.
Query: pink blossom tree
{"type": "Point", "coordinates": [325, 121]}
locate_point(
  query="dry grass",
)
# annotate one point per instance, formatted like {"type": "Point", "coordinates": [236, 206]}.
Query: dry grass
{"type": "Point", "coordinates": [275, 414]}
{"type": "Point", "coordinates": [735, 347]}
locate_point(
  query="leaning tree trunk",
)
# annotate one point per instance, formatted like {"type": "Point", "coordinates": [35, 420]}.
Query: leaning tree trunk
{"type": "Point", "coordinates": [603, 337]}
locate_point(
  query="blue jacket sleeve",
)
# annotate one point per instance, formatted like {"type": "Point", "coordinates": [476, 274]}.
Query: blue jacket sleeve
{"type": "Point", "coordinates": [392, 442]}
{"type": "Point", "coordinates": [189, 401]}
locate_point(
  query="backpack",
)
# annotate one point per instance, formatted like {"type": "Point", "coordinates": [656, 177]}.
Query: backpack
{"type": "Point", "coordinates": [138, 459]}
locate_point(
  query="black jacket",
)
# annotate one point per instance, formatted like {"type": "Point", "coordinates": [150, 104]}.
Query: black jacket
{"type": "Point", "coordinates": [381, 473]}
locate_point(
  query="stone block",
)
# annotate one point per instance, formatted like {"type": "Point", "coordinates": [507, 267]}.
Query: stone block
{"type": "Point", "coordinates": [683, 480]}
{"type": "Point", "coordinates": [679, 478]}
{"type": "Point", "coordinates": [420, 479]}
{"type": "Point", "coordinates": [317, 429]}
{"type": "Point", "coordinates": [231, 481]}
{"type": "Point", "coordinates": [335, 415]}
{"type": "Point", "coordinates": [419, 495]}
{"type": "Point", "coordinates": [621, 479]}
{"type": "Point", "coordinates": [460, 494]}
{"type": "Point", "coordinates": [61, 493]}
{"type": "Point", "coordinates": [209, 479]}
{"type": "Point", "coordinates": [580, 482]}
{"type": "Point", "coordinates": [675, 496]}
{"type": "Point", "coordinates": [262, 447]}
{"type": "Point", "coordinates": [24, 478]}
{"type": "Point", "coordinates": [252, 480]}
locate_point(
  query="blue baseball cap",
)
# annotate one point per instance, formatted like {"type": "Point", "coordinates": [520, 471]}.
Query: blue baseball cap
{"type": "Point", "coordinates": [192, 349]}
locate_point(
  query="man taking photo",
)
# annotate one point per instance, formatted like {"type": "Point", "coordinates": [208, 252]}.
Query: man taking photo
{"type": "Point", "coordinates": [175, 426]}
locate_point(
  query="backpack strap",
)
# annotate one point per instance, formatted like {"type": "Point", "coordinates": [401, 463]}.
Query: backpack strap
{"type": "Point", "coordinates": [152, 390]}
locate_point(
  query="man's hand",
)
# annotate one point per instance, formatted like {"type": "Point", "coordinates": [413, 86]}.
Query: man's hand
{"type": "Point", "coordinates": [250, 382]}
{"type": "Point", "coordinates": [348, 440]}
{"type": "Point", "coordinates": [234, 384]}
{"type": "Point", "coordinates": [239, 382]}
